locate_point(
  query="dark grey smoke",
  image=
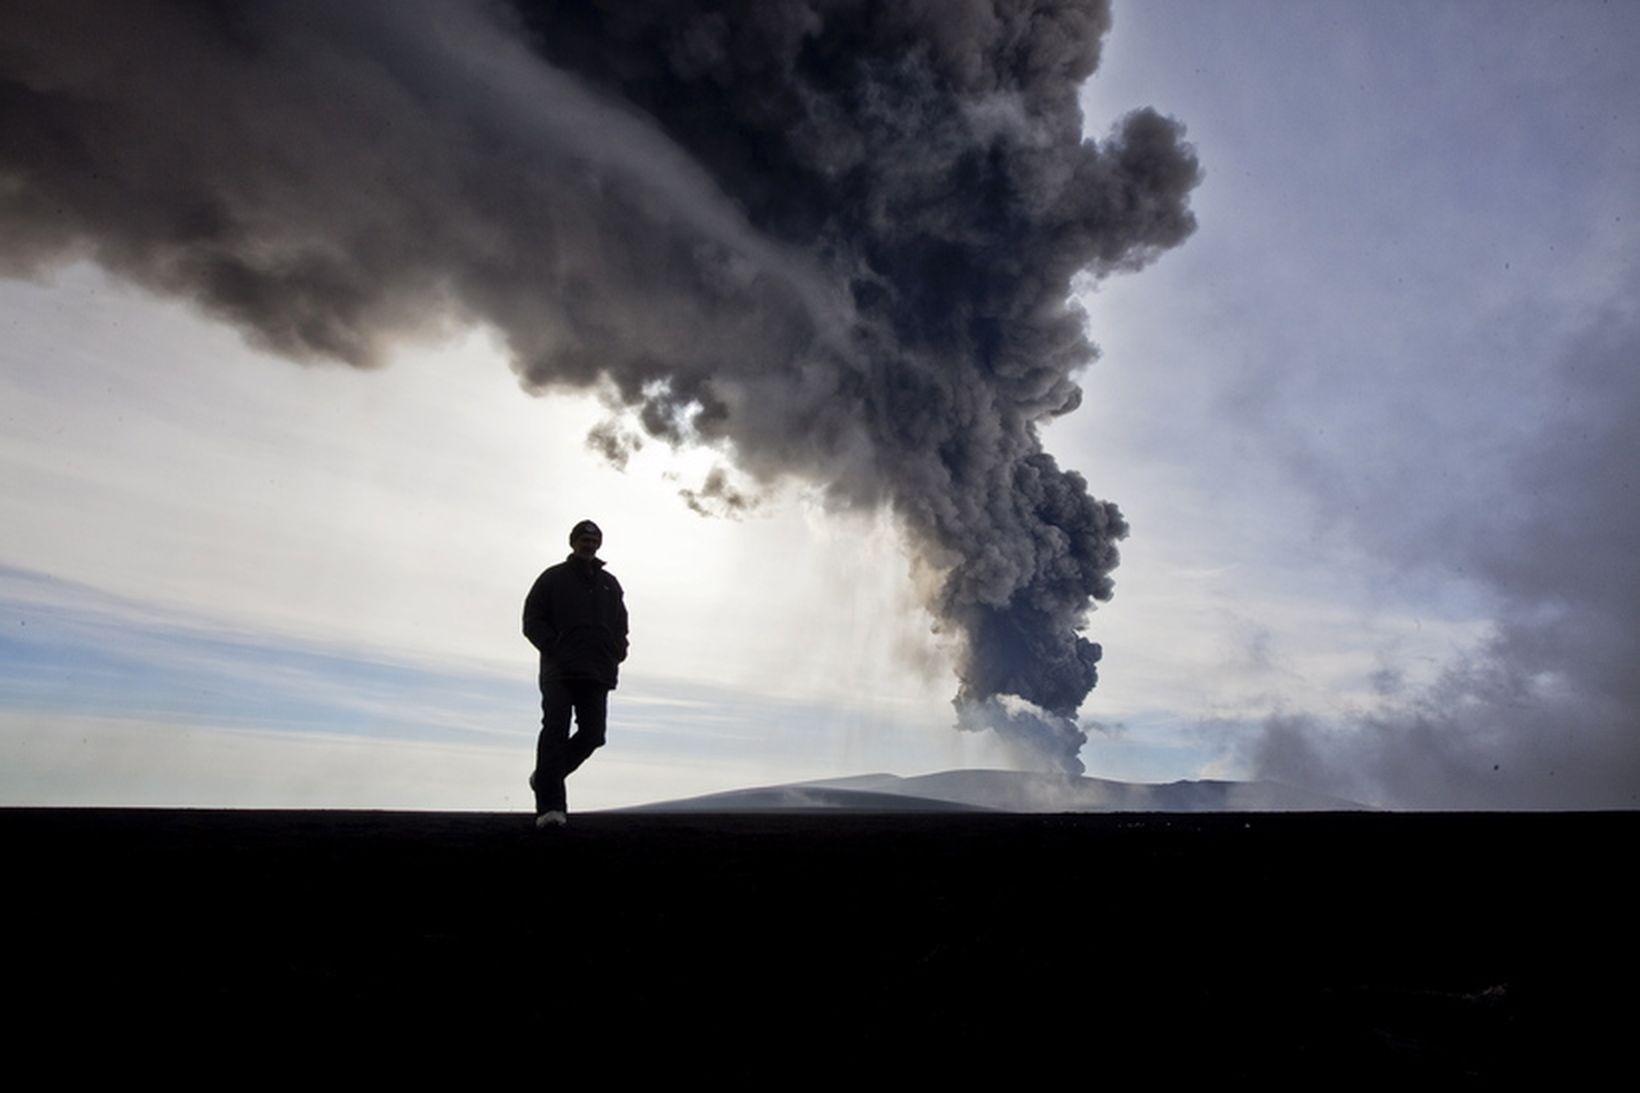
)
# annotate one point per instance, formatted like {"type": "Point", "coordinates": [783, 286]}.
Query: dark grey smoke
{"type": "Point", "coordinates": [833, 240]}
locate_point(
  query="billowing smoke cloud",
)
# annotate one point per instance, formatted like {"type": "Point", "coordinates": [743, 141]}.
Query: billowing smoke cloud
{"type": "Point", "coordinates": [1542, 715]}
{"type": "Point", "coordinates": [832, 239]}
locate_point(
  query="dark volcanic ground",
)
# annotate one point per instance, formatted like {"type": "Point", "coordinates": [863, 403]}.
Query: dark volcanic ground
{"type": "Point", "coordinates": [821, 948]}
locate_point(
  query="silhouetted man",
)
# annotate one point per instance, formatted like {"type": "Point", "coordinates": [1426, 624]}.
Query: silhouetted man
{"type": "Point", "coordinates": [576, 616]}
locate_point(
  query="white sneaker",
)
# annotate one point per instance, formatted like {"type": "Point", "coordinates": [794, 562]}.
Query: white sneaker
{"type": "Point", "coordinates": [551, 819]}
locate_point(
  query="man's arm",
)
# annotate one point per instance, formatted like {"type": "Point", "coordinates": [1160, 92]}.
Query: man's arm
{"type": "Point", "coordinates": [538, 622]}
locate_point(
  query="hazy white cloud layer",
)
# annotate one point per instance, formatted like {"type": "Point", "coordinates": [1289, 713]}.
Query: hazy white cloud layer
{"type": "Point", "coordinates": [119, 702]}
{"type": "Point", "coordinates": [1371, 427]}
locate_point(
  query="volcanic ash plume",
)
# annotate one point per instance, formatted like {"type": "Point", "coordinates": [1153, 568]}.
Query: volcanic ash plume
{"type": "Point", "coordinates": [832, 240]}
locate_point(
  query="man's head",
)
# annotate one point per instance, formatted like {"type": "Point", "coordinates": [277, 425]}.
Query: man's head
{"type": "Point", "coordinates": [585, 539]}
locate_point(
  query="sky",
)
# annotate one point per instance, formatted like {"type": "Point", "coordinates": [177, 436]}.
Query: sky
{"type": "Point", "coordinates": [1368, 424]}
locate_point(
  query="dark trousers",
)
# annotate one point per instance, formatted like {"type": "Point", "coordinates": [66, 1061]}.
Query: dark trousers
{"type": "Point", "coordinates": [557, 753]}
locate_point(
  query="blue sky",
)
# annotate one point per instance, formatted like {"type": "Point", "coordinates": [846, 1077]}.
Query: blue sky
{"type": "Point", "coordinates": [1368, 425]}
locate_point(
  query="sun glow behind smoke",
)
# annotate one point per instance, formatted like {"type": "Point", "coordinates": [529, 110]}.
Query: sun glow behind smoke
{"type": "Point", "coordinates": [833, 245]}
